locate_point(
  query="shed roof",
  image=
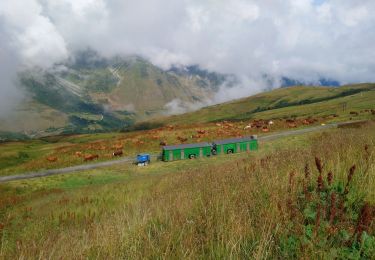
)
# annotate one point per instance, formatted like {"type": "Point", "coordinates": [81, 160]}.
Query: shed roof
{"type": "Point", "coordinates": [236, 140]}
{"type": "Point", "coordinates": [183, 146]}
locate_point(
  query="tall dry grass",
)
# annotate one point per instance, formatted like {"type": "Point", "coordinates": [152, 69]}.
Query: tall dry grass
{"type": "Point", "coordinates": [248, 208]}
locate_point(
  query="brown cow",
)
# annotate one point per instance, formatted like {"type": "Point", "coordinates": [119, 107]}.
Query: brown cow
{"type": "Point", "coordinates": [306, 122]}
{"type": "Point", "coordinates": [292, 125]}
{"type": "Point", "coordinates": [78, 154]}
{"type": "Point", "coordinates": [117, 153]}
{"type": "Point", "coordinates": [51, 158]}
{"type": "Point", "coordinates": [201, 132]}
{"type": "Point", "coordinates": [90, 157]}
{"type": "Point", "coordinates": [163, 143]}
{"type": "Point", "coordinates": [353, 113]}
{"type": "Point", "coordinates": [182, 139]}
{"type": "Point", "coordinates": [265, 129]}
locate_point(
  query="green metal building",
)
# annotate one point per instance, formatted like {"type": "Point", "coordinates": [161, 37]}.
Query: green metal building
{"type": "Point", "coordinates": [190, 151]}
{"type": "Point", "coordinates": [186, 151]}
{"type": "Point", "coordinates": [236, 145]}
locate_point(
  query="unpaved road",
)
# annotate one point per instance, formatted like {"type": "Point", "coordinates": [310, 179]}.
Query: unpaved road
{"type": "Point", "coordinates": [90, 166]}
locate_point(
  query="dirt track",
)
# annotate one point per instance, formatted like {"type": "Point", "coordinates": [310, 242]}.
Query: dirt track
{"type": "Point", "coordinates": [131, 159]}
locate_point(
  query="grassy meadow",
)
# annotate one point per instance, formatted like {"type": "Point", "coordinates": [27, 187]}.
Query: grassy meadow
{"type": "Point", "coordinates": [217, 122]}
{"type": "Point", "coordinates": [307, 196]}
{"type": "Point", "coordinates": [286, 102]}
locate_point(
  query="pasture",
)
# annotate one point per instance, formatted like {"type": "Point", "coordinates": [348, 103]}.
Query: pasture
{"type": "Point", "coordinates": [273, 203]}
{"type": "Point", "coordinates": [63, 151]}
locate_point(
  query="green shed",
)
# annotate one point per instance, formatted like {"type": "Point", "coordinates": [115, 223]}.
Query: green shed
{"type": "Point", "coordinates": [185, 151]}
{"type": "Point", "coordinates": [236, 145]}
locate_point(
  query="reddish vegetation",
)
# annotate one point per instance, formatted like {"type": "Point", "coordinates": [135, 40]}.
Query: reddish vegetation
{"type": "Point", "coordinates": [118, 146]}
{"type": "Point", "coordinates": [365, 218]}
{"type": "Point", "coordinates": [330, 178]}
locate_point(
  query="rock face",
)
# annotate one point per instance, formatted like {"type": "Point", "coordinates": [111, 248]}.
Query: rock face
{"type": "Point", "coordinates": [91, 93]}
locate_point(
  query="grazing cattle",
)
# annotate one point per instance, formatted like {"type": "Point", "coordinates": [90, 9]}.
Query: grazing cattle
{"type": "Point", "coordinates": [372, 111]}
{"type": "Point", "coordinates": [163, 143]}
{"type": "Point", "coordinates": [182, 139]}
{"type": "Point", "coordinates": [353, 113]}
{"type": "Point", "coordinates": [305, 122]}
{"type": "Point", "coordinates": [270, 122]}
{"type": "Point", "coordinates": [196, 136]}
{"type": "Point", "coordinates": [290, 121]}
{"type": "Point", "coordinates": [202, 132]}
{"type": "Point", "coordinates": [292, 125]}
{"type": "Point", "coordinates": [78, 154]}
{"type": "Point", "coordinates": [265, 129]}
{"type": "Point", "coordinates": [90, 157]}
{"type": "Point", "coordinates": [51, 158]}
{"type": "Point", "coordinates": [117, 153]}
{"type": "Point", "coordinates": [247, 127]}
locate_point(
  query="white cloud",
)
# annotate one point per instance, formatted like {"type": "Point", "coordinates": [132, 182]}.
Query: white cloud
{"type": "Point", "coordinates": [303, 39]}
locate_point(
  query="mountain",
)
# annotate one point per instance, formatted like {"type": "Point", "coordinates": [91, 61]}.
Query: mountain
{"type": "Point", "coordinates": [289, 82]}
{"type": "Point", "coordinates": [293, 101]}
{"type": "Point", "coordinates": [90, 93]}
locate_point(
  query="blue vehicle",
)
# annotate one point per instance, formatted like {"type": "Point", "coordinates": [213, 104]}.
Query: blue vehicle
{"type": "Point", "coordinates": [143, 159]}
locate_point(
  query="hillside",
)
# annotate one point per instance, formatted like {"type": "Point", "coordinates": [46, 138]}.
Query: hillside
{"type": "Point", "coordinates": [285, 102]}
{"type": "Point", "coordinates": [298, 197]}
{"type": "Point", "coordinates": [89, 93]}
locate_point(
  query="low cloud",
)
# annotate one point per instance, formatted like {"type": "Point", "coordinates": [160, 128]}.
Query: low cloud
{"type": "Point", "coordinates": [178, 106]}
{"type": "Point", "coordinates": [305, 39]}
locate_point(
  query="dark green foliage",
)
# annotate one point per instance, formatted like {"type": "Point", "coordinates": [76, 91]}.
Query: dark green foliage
{"type": "Point", "coordinates": [159, 82]}
{"type": "Point", "coordinates": [22, 155]}
{"type": "Point", "coordinates": [46, 92]}
{"type": "Point", "coordinates": [11, 136]}
{"type": "Point", "coordinates": [326, 213]}
{"type": "Point", "coordinates": [142, 126]}
{"type": "Point", "coordinates": [11, 161]}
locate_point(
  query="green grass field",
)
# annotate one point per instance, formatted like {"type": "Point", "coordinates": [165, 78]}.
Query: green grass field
{"type": "Point", "coordinates": [264, 204]}
{"type": "Point", "coordinates": [20, 157]}
{"type": "Point", "coordinates": [286, 102]}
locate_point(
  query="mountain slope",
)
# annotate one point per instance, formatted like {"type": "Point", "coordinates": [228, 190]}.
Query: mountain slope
{"type": "Point", "coordinates": [89, 93]}
{"type": "Point", "coordinates": [283, 102]}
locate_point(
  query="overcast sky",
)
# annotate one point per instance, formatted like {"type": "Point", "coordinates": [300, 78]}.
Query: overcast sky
{"type": "Point", "coordinates": [302, 39]}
